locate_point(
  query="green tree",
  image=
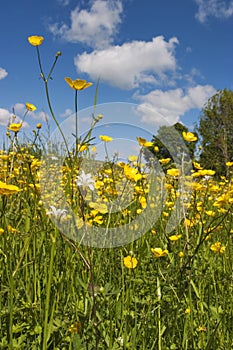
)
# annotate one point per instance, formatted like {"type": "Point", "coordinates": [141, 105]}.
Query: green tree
{"type": "Point", "coordinates": [216, 132]}
{"type": "Point", "coordinates": [171, 144]}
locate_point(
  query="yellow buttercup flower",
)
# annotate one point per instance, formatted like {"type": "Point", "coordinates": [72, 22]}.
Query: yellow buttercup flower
{"type": "Point", "coordinates": [6, 189]}
{"type": "Point", "coordinates": [35, 40]}
{"type": "Point", "coordinates": [197, 165]}
{"type": "Point", "coordinates": [175, 237]}
{"type": "Point", "coordinates": [218, 248]}
{"type": "Point", "coordinates": [38, 126]}
{"type": "Point", "coordinates": [100, 207]}
{"type": "Point", "coordinates": [164, 161]}
{"type": "Point", "coordinates": [204, 172]}
{"type": "Point", "coordinates": [130, 262]}
{"type": "Point", "coordinates": [141, 141]}
{"type": "Point", "coordinates": [78, 84]}
{"type": "Point", "coordinates": [15, 127]}
{"type": "Point", "coordinates": [105, 138]}
{"type": "Point", "coordinates": [159, 252]}
{"type": "Point", "coordinates": [229, 163]}
{"type": "Point", "coordinates": [132, 173]}
{"type": "Point", "coordinates": [189, 136]}
{"type": "Point", "coordinates": [173, 172]}
{"type": "Point", "coordinates": [30, 107]}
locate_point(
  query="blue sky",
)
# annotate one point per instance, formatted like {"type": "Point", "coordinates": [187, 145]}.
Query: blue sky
{"type": "Point", "coordinates": [167, 57]}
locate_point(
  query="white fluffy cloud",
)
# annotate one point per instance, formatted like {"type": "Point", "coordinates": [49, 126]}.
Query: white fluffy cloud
{"type": "Point", "coordinates": [63, 2]}
{"type": "Point", "coordinates": [67, 113]}
{"type": "Point", "coordinates": [3, 73]}
{"type": "Point", "coordinates": [95, 27]}
{"type": "Point", "coordinates": [130, 64]}
{"type": "Point", "coordinates": [166, 107]}
{"type": "Point", "coordinates": [213, 8]}
{"type": "Point", "coordinates": [19, 110]}
{"type": "Point", "coordinates": [5, 116]}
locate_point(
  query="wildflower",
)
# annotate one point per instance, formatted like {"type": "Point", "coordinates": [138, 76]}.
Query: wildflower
{"type": "Point", "coordinates": [85, 181]}
{"type": "Point", "coordinates": [57, 213]}
{"type": "Point", "coordinates": [133, 158]}
{"type": "Point", "coordinates": [132, 173]}
{"type": "Point", "coordinates": [105, 138]}
{"type": "Point", "coordinates": [203, 173]}
{"type": "Point", "coordinates": [188, 310]}
{"type": "Point", "coordinates": [30, 107]}
{"type": "Point", "coordinates": [218, 248]}
{"type": "Point", "coordinates": [78, 84]}
{"type": "Point", "coordinates": [173, 172]}
{"type": "Point", "coordinates": [15, 127]}
{"type": "Point", "coordinates": [35, 40]}
{"type": "Point", "coordinates": [38, 126]}
{"type": "Point", "coordinates": [158, 252]}
{"type": "Point", "coordinates": [229, 164]}
{"type": "Point", "coordinates": [189, 136]}
{"type": "Point", "coordinates": [201, 329]}
{"type": "Point", "coordinates": [164, 161]}
{"type": "Point", "coordinates": [130, 262]}
{"type": "Point", "coordinates": [75, 327]}
{"type": "Point", "coordinates": [210, 212]}
{"type": "Point", "coordinates": [197, 166]}
{"type": "Point", "coordinates": [12, 229]}
{"type": "Point", "coordinates": [6, 189]}
{"type": "Point", "coordinates": [100, 207]}
{"type": "Point", "coordinates": [156, 148]}
{"type": "Point", "coordinates": [181, 254]}
{"type": "Point", "coordinates": [1, 231]}
{"type": "Point", "coordinates": [175, 237]}
{"type": "Point", "coordinates": [141, 141]}
{"type": "Point", "coordinates": [83, 147]}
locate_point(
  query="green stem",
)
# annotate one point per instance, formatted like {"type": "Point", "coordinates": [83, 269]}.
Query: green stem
{"type": "Point", "coordinates": [11, 307]}
{"type": "Point", "coordinates": [40, 65]}
{"type": "Point", "coordinates": [48, 291]}
{"type": "Point", "coordinates": [76, 122]}
{"type": "Point", "coordinates": [159, 314]}
{"type": "Point", "coordinates": [53, 116]}
{"type": "Point", "coordinates": [47, 94]}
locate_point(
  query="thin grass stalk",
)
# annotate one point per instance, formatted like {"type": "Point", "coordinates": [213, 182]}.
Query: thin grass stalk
{"type": "Point", "coordinates": [48, 291]}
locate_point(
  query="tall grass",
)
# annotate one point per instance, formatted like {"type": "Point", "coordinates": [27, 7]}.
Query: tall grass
{"type": "Point", "coordinates": [56, 293]}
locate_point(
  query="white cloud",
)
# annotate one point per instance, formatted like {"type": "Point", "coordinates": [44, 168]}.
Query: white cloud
{"type": "Point", "coordinates": [130, 64]}
{"type": "Point", "coordinates": [3, 73]}
{"type": "Point", "coordinates": [166, 107]}
{"type": "Point", "coordinates": [214, 8]}
{"type": "Point", "coordinates": [5, 116]}
{"type": "Point", "coordinates": [67, 113]}
{"type": "Point", "coordinates": [95, 27]}
{"type": "Point", "coordinates": [63, 2]}
{"type": "Point", "coordinates": [20, 109]}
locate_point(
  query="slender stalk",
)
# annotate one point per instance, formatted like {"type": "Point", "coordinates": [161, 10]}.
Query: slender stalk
{"type": "Point", "coordinates": [48, 291]}
{"type": "Point", "coordinates": [159, 315]}
{"type": "Point", "coordinates": [46, 80]}
{"type": "Point", "coordinates": [76, 122]}
{"type": "Point", "coordinates": [54, 117]}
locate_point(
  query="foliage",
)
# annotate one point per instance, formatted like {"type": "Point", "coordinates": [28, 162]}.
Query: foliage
{"type": "Point", "coordinates": [169, 143]}
{"type": "Point", "coordinates": [165, 290]}
{"type": "Point", "coordinates": [216, 131]}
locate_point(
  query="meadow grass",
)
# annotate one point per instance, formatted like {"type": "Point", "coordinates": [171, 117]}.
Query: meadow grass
{"type": "Point", "coordinates": [164, 290]}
